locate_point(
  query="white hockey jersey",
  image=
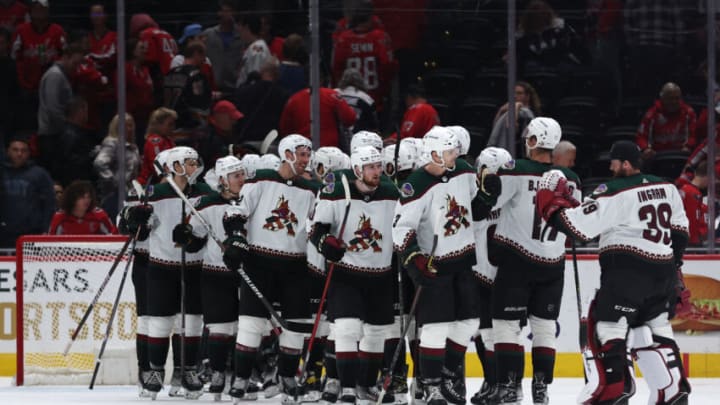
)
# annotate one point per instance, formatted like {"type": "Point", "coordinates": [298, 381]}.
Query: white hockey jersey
{"type": "Point", "coordinates": [212, 207]}
{"type": "Point", "coordinates": [635, 214]}
{"type": "Point", "coordinates": [425, 198]}
{"type": "Point", "coordinates": [484, 229]}
{"type": "Point", "coordinates": [368, 233]}
{"type": "Point", "coordinates": [519, 227]}
{"type": "Point", "coordinates": [276, 211]}
{"type": "Point", "coordinates": [167, 213]}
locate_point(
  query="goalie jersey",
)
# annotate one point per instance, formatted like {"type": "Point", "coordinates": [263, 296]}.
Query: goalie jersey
{"type": "Point", "coordinates": [368, 232]}
{"type": "Point", "coordinates": [633, 215]}
{"type": "Point", "coordinates": [519, 227]}
{"type": "Point", "coordinates": [275, 212]}
{"type": "Point", "coordinates": [425, 197]}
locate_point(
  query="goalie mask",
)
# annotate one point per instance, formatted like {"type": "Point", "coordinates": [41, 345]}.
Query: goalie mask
{"type": "Point", "coordinates": [364, 155]}
{"type": "Point", "coordinates": [440, 140]}
{"type": "Point", "coordinates": [269, 161]}
{"type": "Point", "coordinates": [290, 144]}
{"type": "Point", "coordinates": [184, 157]}
{"type": "Point", "coordinates": [366, 138]}
{"type": "Point", "coordinates": [463, 137]}
{"type": "Point", "coordinates": [493, 159]}
{"type": "Point", "coordinates": [546, 131]}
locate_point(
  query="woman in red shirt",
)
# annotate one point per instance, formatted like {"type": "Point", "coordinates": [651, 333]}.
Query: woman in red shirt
{"type": "Point", "coordinates": [158, 137]}
{"type": "Point", "coordinates": [79, 214]}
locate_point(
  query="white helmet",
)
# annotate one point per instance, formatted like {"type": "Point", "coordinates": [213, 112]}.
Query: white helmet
{"type": "Point", "coordinates": [291, 143]}
{"type": "Point", "coordinates": [251, 163]}
{"type": "Point", "coordinates": [406, 158]}
{"type": "Point", "coordinates": [364, 155]}
{"type": "Point", "coordinates": [269, 161]}
{"type": "Point", "coordinates": [223, 167]}
{"type": "Point", "coordinates": [179, 155]}
{"type": "Point", "coordinates": [366, 138]}
{"type": "Point", "coordinates": [546, 130]}
{"type": "Point", "coordinates": [417, 145]}
{"type": "Point", "coordinates": [345, 162]}
{"type": "Point", "coordinates": [161, 159]}
{"type": "Point", "coordinates": [327, 159]}
{"type": "Point", "coordinates": [494, 158]}
{"type": "Point", "coordinates": [463, 136]}
{"type": "Point", "coordinates": [439, 139]}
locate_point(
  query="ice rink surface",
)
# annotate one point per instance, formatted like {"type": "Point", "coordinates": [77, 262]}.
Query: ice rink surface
{"type": "Point", "coordinates": [706, 391]}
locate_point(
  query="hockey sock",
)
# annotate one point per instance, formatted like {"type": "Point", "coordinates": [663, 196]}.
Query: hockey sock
{"type": "Point", "coordinates": [192, 350]}
{"type": "Point", "coordinates": [244, 360]}
{"type": "Point", "coordinates": [347, 367]}
{"type": "Point", "coordinates": [141, 346]}
{"type": "Point", "coordinates": [288, 361]}
{"type": "Point", "coordinates": [157, 352]}
{"type": "Point", "coordinates": [543, 360]}
{"type": "Point", "coordinates": [330, 362]}
{"type": "Point", "coordinates": [368, 368]}
{"type": "Point", "coordinates": [414, 356]}
{"type": "Point", "coordinates": [510, 360]}
{"type": "Point", "coordinates": [218, 347]}
{"type": "Point", "coordinates": [431, 362]}
{"type": "Point", "coordinates": [390, 347]}
{"type": "Point", "coordinates": [176, 349]}
{"type": "Point", "coordinates": [454, 356]}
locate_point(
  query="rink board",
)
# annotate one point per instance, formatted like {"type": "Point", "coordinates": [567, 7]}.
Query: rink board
{"type": "Point", "coordinates": [701, 351]}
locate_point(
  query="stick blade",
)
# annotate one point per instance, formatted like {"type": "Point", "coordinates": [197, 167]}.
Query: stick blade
{"type": "Point", "coordinates": [269, 139]}
{"type": "Point", "coordinates": [346, 187]}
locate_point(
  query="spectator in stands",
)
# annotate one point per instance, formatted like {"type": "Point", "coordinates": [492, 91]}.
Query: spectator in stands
{"type": "Point", "coordinates": [79, 214]}
{"type": "Point", "coordinates": [695, 209]}
{"type": "Point", "coordinates": [274, 43]}
{"type": "Point", "coordinates": [525, 98]}
{"type": "Point", "coordinates": [103, 41]}
{"type": "Point", "coordinates": [90, 83]}
{"type": "Point", "coordinates": [192, 33]}
{"type": "Point", "coordinates": [257, 52]}
{"type": "Point", "coordinates": [8, 82]}
{"type": "Point", "coordinates": [669, 125]}
{"type": "Point", "coordinates": [158, 137]}
{"type": "Point", "coordinates": [222, 121]}
{"type": "Point", "coordinates": [701, 128]}
{"type": "Point", "coordinates": [352, 89]}
{"type": "Point", "coordinates": [37, 44]}
{"type": "Point", "coordinates": [334, 112]}
{"type": "Point", "coordinates": [564, 154]}
{"type": "Point", "coordinates": [139, 88]}
{"type": "Point", "coordinates": [12, 14]}
{"type": "Point", "coordinates": [161, 48]}
{"type": "Point", "coordinates": [293, 75]}
{"type": "Point", "coordinates": [262, 104]}
{"type": "Point", "coordinates": [27, 200]}
{"type": "Point", "coordinates": [187, 90]}
{"type": "Point", "coordinates": [106, 162]}
{"type": "Point", "coordinates": [76, 145]}
{"type": "Point", "coordinates": [699, 155]}
{"type": "Point", "coordinates": [55, 94]}
{"type": "Point", "coordinates": [527, 107]}
{"type": "Point", "coordinates": [225, 47]}
{"type": "Point", "coordinates": [419, 116]}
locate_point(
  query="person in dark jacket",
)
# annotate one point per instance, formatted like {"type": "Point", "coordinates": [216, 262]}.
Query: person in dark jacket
{"type": "Point", "coordinates": [27, 198]}
{"type": "Point", "coordinates": [261, 103]}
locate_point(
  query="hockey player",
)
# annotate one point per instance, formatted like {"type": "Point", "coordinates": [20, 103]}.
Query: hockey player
{"type": "Point", "coordinates": [643, 233]}
{"type": "Point", "coordinates": [165, 216]}
{"type": "Point", "coordinates": [490, 161]}
{"type": "Point", "coordinates": [440, 258]}
{"type": "Point", "coordinates": [267, 235]}
{"type": "Point", "coordinates": [463, 136]}
{"type": "Point", "coordinates": [531, 266]}
{"type": "Point", "coordinates": [360, 295]}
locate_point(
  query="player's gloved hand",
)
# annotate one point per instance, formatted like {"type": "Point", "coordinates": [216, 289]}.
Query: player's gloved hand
{"type": "Point", "coordinates": [332, 248]}
{"type": "Point", "coordinates": [233, 224]}
{"type": "Point", "coordinates": [420, 269]}
{"type": "Point", "coordinates": [236, 251]}
{"type": "Point", "coordinates": [138, 215]}
{"type": "Point", "coordinates": [491, 184]}
{"type": "Point", "coordinates": [182, 234]}
{"type": "Point", "coordinates": [553, 194]}
{"type": "Point", "coordinates": [683, 305]}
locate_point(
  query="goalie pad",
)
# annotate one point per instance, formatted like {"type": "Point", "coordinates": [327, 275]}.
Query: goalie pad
{"type": "Point", "coordinates": [661, 364]}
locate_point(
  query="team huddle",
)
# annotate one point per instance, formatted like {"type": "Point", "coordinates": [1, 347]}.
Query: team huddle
{"type": "Point", "coordinates": [341, 260]}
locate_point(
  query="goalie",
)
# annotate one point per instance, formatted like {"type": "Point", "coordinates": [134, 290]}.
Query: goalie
{"type": "Point", "coordinates": [643, 233]}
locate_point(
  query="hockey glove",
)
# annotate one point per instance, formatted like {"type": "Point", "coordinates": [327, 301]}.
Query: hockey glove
{"type": "Point", "coordinates": [683, 306]}
{"type": "Point", "coordinates": [490, 187]}
{"type": "Point", "coordinates": [549, 201]}
{"type": "Point", "coordinates": [182, 234]}
{"type": "Point", "coordinates": [138, 215]}
{"type": "Point", "coordinates": [233, 224]}
{"type": "Point", "coordinates": [236, 252]}
{"type": "Point", "coordinates": [332, 248]}
{"type": "Point", "coordinates": [420, 269]}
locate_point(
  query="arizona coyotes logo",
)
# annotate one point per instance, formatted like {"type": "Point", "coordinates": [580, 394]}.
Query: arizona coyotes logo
{"type": "Point", "coordinates": [456, 216]}
{"type": "Point", "coordinates": [281, 218]}
{"type": "Point", "coordinates": [366, 237]}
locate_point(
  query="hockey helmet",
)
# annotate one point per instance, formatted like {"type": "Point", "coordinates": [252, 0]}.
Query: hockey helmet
{"type": "Point", "coordinates": [364, 155]}
{"type": "Point", "coordinates": [463, 137]}
{"type": "Point", "coordinates": [439, 139]}
{"type": "Point", "coordinates": [493, 159]}
{"type": "Point", "coordinates": [366, 138]}
{"type": "Point", "coordinates": [546, 131]}
{"type": "Point", "coordinates": [180, 155]}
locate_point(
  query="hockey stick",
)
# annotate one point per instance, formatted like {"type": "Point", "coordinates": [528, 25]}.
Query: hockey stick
{"type": "Point", "coordinates": [183, 272]}
{"type": "Point", "coordinates": [398, 265]}
{"type": "Point", "coordinates": [303, 367]}
{"type": "Point", "coordinates": [411, 314]}
{"type": "Point", "coordinates": [113, 312]}
{"type": "Point", "coordinates": [274, 316]}
{"type": "Point", "coordinates": [582, 330]}
{"type": "Point", "coordinates": [95, 299]}
{"type": "Point", "coordinates": [269, 139]}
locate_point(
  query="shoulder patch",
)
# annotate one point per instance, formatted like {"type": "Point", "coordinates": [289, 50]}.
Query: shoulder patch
{"type": "Point", "coordinates": [407, 190]}
{"type": "Point", "coordinates": [600, 189]}
{"type": "Point", "coordinates": [509, 165]}
{"type": "Point", "coordinates": [329, 188]}
{"type": "Point", "coordinates": [329, 178]}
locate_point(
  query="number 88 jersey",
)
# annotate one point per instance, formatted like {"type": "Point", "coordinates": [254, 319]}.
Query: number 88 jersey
{"type": "Point", "coordinates": [635, 214]}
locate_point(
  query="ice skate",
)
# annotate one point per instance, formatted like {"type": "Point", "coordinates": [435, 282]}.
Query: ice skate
{"type": "Point", "coordinates": [486, 396]}
{"type": "Point", "coordinates": [399, 388]}
{"type": "Point", "coordinates": [539, 390]}
{"type": "Point", "coordinates": [433, 395]}
{"type": "Point", "coordinates": [153, 382]}
{"type": "Point", "coordinates": [176, 389]}
{"type": "Point", "coordinates": [331, 391]}
{"type": "Point", "coordinates": [217, 385]}
{"type": "Point", "coordinates": [417, 393]}
{"type": "Point", "coordinates": [348, 396]}
{"type": "Point", "coordinates": [453, 387]}
{"type": "Point", "coordinates": [370, 395]}
{"type": "Point", "coordinates": [242, 390]}
{"type": "Point", "coordinates": [291, 392]}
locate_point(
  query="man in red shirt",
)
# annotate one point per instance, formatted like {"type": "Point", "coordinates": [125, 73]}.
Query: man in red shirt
{"type": "Point", "coordinates": [103, 42]}
{"type": "Point", "coordinates": [161, 49]}
{"type": "Point", "coordinates": [367, 49]}
{"type": "Point", "coordinates": [669, 125]}
{"type": "Point", "coordinates": [419, 116]}
{"type": "Point", "coordinates": [695, 208]}
{"type": "Point", "coordinates": [334, 111]}
{"type": "Point", "coordinates": [12, 14]}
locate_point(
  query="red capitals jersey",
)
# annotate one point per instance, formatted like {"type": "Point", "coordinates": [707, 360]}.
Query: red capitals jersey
{"type": "Point", "coordinates": [14, 15]}
{"type": "Point", "coordinates": [93, 86]}
{"type": "Point", "coordinates": [417, 121]}
{"type": "Point", "coordinates": [139, 85]}
{"type": "Point", "coordinates": [104, 50]}
{"type": "Point", "coordinates": [663, 131]}
{"type": "Point", "coordinates": [94, 222]}
{"type": "Point", "coordinates": [371, 54]}
{"type": "Point", "coordinates": [154, 144]}
{"type": "Point", "coordinates": [35, 52]}
{"type": "Point", "coordinates": [295, 118]}
{"type": "Point", "coordinates": [161, 48]}
{"type": "Point", "coordinates": [696, 212]}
